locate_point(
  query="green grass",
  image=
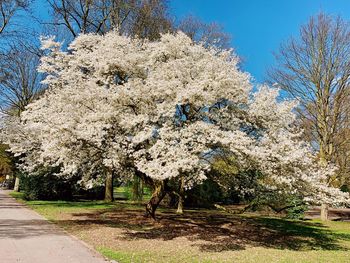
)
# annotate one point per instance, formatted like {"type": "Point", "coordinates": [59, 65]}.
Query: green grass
{"type": "Point", "coordinates": [17, 195]}
{"type": "Point", "coordinates": [120, 256]}
{"type": "Point", "coordinates": [125, 192]}
{"type": "Point", "coordinates": [122, 192]}
{"type": "Point", "coordinates": [50, 209]}
{"type": "Point", "coordinates": [146, 256]}
{"type": "Point", "coordinates": [313, 235]}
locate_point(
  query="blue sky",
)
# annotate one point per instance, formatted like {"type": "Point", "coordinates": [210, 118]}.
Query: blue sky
{"type": "Point", "coordinates": [259, 26]}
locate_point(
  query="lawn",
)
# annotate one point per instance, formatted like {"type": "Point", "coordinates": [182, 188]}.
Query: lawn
{"type": "Point", "coordinates": [120, 231]}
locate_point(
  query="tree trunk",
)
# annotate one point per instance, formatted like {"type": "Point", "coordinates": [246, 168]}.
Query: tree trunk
{"type": "Point", "coordinates": [181, 196]}
{"type": "Point", "coordinates": [180, 206]}
{"type": "Point", "coordinates": [157, 196]}
{"type": "Point", "coordinates": [141, 190]}
{"type": "Point", "coordinates": [323, 162]}
{"type": "Point", "coordinates": [324, 212]}
{"type": "Point", "coordinates": [137, 188]}
{"type": "Point", "coordinates": [16, 188]}
{"type": "Point", "coordinates": [109, 185]}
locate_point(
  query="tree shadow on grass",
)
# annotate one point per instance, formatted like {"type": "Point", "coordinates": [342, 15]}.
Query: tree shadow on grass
{"type": "Point", "coordinates": [301, 235]}
{"type": "Point", "coordinates": [215, 231]}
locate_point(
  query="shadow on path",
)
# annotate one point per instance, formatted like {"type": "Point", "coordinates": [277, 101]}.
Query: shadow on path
{"type": "Point", "coordinates": [10, 228]}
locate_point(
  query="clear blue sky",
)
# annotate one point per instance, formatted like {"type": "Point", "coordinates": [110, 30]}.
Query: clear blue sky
{"type": "Point", "coordinates": [259, 26]}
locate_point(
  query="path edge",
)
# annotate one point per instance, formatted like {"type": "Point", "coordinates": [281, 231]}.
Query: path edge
{"type": "Point", "coordinates": [58, 228]}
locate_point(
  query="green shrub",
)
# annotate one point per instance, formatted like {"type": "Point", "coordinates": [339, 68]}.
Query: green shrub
{"type": "Point", "coordinates": [283, 203]}
{"type": "Point", "coordinates": [45, 185]}
{"type": "Point", "coordinates": [95, 193]}
{"type": "Point", "coordinates": [204, 195]}
{"type": "Point", "coordinates": [298, 208]}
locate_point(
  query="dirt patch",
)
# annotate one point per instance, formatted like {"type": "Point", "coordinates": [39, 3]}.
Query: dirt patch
{"type": "Point", "coordinates": [196, 233]}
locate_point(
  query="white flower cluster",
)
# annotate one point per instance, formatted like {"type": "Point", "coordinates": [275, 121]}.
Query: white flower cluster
{"type": "Point", "coordinates": [164, 108]}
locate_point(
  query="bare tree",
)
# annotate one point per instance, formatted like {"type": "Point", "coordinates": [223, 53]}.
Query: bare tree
{"type": "Point", "coordinates": [80, 16]}
{"type": "Point", "coordinates": [315, 69]}
{"type": "Point", "coordinates": [145, 19]}
{"type": "Point", "coordinates": [150, 19]}
{"type": "Point", "coordinates": [141, 18]}
{"type": "Point", "coordinates": [208, 33]}
{"type": "Point", "coordinates": [19, 79]}
{"type": "Point", "coordinates": [9, 9]}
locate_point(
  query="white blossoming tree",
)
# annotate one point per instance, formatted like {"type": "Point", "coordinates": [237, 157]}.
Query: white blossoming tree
{"type": "Point", "coordinates": [163, 109]}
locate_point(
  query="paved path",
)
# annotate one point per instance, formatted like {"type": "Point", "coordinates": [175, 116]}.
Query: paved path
{"type": "Point", "coordinates": [27, 237]}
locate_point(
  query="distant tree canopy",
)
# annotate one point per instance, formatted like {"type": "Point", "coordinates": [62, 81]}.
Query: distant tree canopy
{"type": "Point", "coordinates": [208, 33]}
